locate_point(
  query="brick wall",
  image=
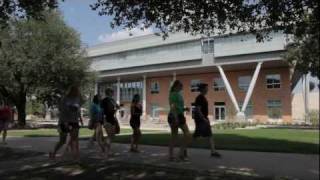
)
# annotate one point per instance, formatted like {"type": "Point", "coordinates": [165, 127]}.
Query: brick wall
{"type": "Point", "coordinates": [259, 97]}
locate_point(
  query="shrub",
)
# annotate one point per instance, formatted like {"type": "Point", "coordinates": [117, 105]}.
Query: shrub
{"type": "Point", "coordinates": [314, 117]}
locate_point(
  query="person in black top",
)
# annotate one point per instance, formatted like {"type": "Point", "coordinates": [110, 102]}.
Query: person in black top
{"type": "Point", "coordinates": [110, 107]}
{"type": "Point", "coordinates": [203, 128]}
{"type": "Point", "coordinates": [136, 112]}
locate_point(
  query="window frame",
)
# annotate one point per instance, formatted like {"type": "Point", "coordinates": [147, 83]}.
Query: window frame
{"type": "Point", "coordinates": [271, 105]}
{"type": "Point", "coordinates": [250, 104]}
{"type": "Point", "coordinates": [195, 87]}
{"type": "Point", "coordinates": [219, 105]}
{"type": "Point", "coordinates": [207, 45]}
{"type": "Point", "coordinates": [153, 89]}
{"type": "Point", "coordinates": [218, 88]}
{"type": "Point", "coordinates": [273, 85]}
{"type": "Point", "coordinates": [240, 86]}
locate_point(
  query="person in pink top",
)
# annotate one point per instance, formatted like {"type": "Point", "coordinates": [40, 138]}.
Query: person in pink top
{"type": "Point", "coordinates": [5, 119]}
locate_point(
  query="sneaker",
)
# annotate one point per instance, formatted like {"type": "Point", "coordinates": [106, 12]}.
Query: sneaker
{"type": "Point", "coordinates": [215, 154]}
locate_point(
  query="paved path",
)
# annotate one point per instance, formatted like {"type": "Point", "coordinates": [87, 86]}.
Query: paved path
{"type": "Point", "coordinates": [265, 164]}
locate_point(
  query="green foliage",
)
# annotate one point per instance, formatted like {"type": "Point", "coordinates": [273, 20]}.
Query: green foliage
{"type": "Point", "coordinates": [34, 106]}
{"type": "Point", "coordinates": [24, 9]}
{"type": "Point", "coordinates": [210, 17]}
{"type": "Point", "coordinates": [233, 125]}
{"type": "Point", "coordinates": [314, 117]}
{"type": "Point", "coordinates": [303, 53]}
{"type": "Point", "coordinates": [41, 58]}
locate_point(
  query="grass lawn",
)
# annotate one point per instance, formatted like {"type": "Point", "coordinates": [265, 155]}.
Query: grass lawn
{"type": "Point", "coordinates": [266, 140]}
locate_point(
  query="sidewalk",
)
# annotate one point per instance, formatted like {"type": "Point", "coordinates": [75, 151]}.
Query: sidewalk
{"type": "Point", "coordinates": [263, 164]}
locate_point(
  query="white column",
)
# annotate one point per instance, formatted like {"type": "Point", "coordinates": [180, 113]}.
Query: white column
{"type": "Point", "coordinates": [144, 94]}
{"type": "Point", "coordinates": [174, 76]}
{"type": "Point", "coordinates": [306, 96]}
{"type": "Point", "coordinates": [96, 88]}
{"type": "Point", "coordinates": [118, 90]}
{"type": "Point", "coordinates": [251, 87]}
{"type": "Point", "coordinates": [229, 90]}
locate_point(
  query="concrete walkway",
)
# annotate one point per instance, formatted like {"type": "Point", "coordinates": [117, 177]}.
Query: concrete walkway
{"type": "Point", "coordinates": [297, 166]}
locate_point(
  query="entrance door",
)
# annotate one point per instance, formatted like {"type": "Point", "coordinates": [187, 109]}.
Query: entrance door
{"type": "Point", "coordinates": [219, 111]}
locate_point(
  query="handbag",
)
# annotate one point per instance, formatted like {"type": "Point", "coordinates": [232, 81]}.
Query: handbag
{"type": "Point", "coordinates": [117, 126]}
{"type": "Point", "coordinates": [90, 124]}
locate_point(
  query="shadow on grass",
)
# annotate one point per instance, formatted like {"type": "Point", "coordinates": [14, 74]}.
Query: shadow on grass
{"type": "Point", "coordinates": [233, 142]}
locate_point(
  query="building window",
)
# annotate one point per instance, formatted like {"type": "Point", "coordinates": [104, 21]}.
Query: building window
{"type": "Point", "coordinates": [219, 111]}
{"type": "Point", "coordinates": [273, 81]}
{"type": "Point", "coordinates": [155, 87]}
{"type": "Point", "coordinates": [129, 89]}
{"type": "Point", "coordinates": [274, 109]}
{"type": "Point", "coordinates": [195, 85]}
{"type": "Point", "coordinates": [103, 86]}
{"type": "Point", "coordinates": [249, 109]}
{"type": "Point", "coordinates": [218, 84]}
{"type": "Point", "coordinates": [243, 82]}
{"type": "Point", "coordinates": [208, 46]}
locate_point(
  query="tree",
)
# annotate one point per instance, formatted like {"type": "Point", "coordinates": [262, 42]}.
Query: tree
{"type": "Point", "coordinates": [40, 58]}
{"type": "Point", "coordinates": [24, 9]}
{"type": "Point", "coordinates": [259, 17]}
{"type": "Point", "coordinates": [303, 53]}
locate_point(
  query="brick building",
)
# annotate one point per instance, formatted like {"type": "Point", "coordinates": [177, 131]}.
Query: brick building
{"type": "Point", "coordinates": [247, 80]}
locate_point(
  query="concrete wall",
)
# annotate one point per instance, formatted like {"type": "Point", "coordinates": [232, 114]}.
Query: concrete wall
{"type": "Point", "coordinates": [298, 109]}
{"type": "Point", "coordinates": [247, 44]}
{"type": "Point", "coordinates": [150, 50]}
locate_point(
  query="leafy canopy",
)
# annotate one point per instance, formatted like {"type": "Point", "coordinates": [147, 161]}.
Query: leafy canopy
{"type": "Point", "coordinates": [40, 58]}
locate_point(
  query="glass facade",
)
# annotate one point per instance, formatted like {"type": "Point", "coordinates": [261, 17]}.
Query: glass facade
{"type": "Point", "coordinates": [127, 89]}
{"type": "Point", "coordinates": [103, 86]}
{"type": "Point", "coordinates": [208, 46]}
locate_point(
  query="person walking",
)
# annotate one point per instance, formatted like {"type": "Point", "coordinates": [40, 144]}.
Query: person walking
{"type": "Point", "coordinates": [110, 107]}
{"type": "Point", "coordinates": [69, 118]}
{"type": "Point", "coordinates": [203, 128]}
{"type": "Point", "coordinates": [136, 112]}
{"type": "Point", "coordinates": [6, 116]}
{"type": "Point", "coordinates": [96, 118]}
{"type": "Point", "coordinates": [176, 120]}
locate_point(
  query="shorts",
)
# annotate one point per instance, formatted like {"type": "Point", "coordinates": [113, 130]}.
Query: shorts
{"type": "Point", "coordinates": [135, 122]}
{"type": "Point", "coordinates": [111, 119]}
{"type": "Point", "coordinates": [4, 124]}
{"type": "Point", "coordinates": [203, 129]}
{"type": "Point", "coordinates": [181, 119]}
{"type": "Point", "coordinates": [71, 126]}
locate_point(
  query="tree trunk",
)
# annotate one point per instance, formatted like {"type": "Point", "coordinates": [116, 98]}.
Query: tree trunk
{"type": "Point", "coordinates": [21, 107]}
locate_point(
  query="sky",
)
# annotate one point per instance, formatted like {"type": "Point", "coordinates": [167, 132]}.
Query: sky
{"type": "Point", "coordinates": [94, 29]}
